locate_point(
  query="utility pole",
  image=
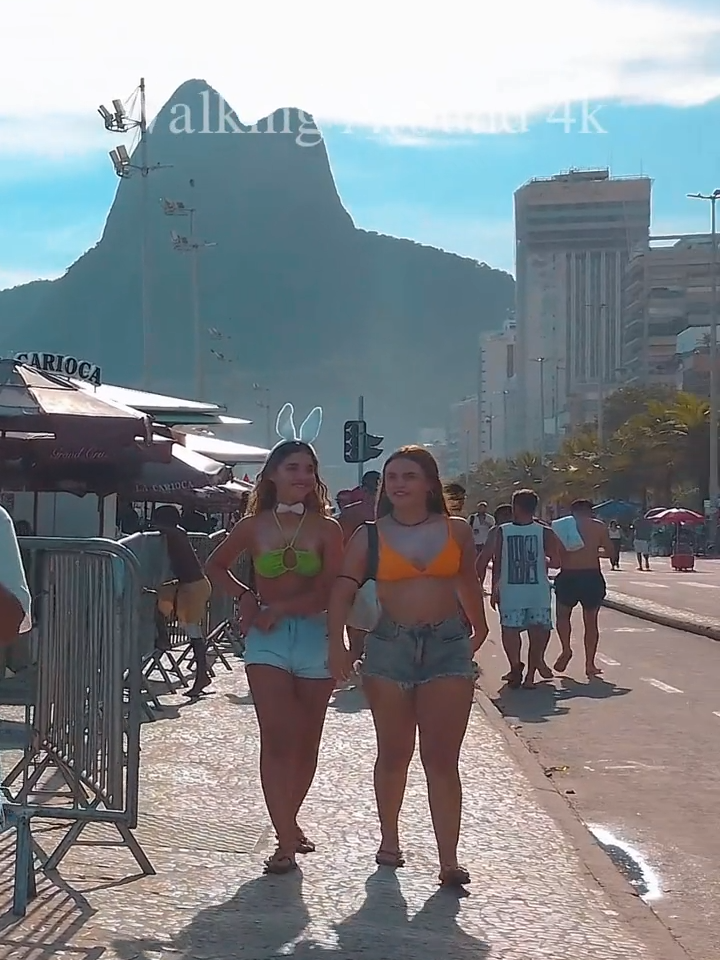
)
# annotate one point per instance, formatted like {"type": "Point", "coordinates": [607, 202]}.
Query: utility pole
{"type": "Point", "coordinates": [601, 374]}
{"type": "Point", "coordinates": [267, 407]}
{"type": "Point", "coordinates": [712, 198]}
{"type": "Point", "coordinates": [117, 121]}
{"type": "Point", "coordinates": [506, 394]}
{"type": "Point", "coordinates": [189, 244]}
{"type": "Point", "coordinates": [145, 246]}
{"type": "Point", "coordinates": [541, 362]}
{"type": "Point", "coordinates": [361, 419]}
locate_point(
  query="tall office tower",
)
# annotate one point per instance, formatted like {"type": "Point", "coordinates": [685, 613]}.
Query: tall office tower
{"type": "Point", "coordinates": [574, 234]}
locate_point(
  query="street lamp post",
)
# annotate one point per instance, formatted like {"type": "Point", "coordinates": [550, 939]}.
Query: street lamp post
{"type": "Point", "coordinates": [176, 208]}
{"type": "Point", "coordinates": [117, 121]}
{"type": "Point", "coordinates": [505, 394]}
{"type": "Point", "coordinates": [542, 361]}
{"type": "Point", "coordinates": [712, 198]}
{"type": "Point", "coordinates": [267, 407]}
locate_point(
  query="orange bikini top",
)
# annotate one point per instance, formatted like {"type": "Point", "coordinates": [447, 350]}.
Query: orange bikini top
{"type": "Point", "coordinates": [394, 566]}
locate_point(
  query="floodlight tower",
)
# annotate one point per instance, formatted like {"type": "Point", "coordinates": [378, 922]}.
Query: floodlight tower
{"type": "Point", "coordinates": [191, 245]}
{"type": "Point", "coordinates": [117, 121]}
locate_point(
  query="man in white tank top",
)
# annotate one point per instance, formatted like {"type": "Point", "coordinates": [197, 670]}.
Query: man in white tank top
{"type": "Point", "coordinates": [521, 587]}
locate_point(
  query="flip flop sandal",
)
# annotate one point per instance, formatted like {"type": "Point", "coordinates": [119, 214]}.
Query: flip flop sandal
{"type": "Point", "coordinates": [454, 877]}
{"type": "Point", "coordinates": [304, 845]}
{"type": "Point", "coordinates": [515, 677]}
{"type": "Point", "coordinates": [390, 858]}
{"type": "Point", "coordinates": [279, 864]}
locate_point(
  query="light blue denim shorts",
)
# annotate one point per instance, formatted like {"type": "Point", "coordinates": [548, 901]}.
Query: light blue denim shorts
{"type": "Point", "coordinates": [417, 653]}
{"type": "Point", "coordinates": [298, 645]}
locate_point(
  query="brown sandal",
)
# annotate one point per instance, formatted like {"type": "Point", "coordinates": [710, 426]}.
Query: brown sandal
{"type": "Point", "coordinates": [304, 845]}
{"type": "Point", "coordinates": [279, 864]}
{"type": "Point", "coordinates": [454, 877]}
{"type": "Point", "coordinates": [390, 858]}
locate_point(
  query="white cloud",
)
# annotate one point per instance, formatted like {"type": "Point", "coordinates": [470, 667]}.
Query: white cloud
{"type": "Point", "coordinates": [380, 64]}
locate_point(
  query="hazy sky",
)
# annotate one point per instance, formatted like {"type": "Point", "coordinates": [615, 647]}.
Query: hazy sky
{"type": "Point", "coordinates": [404, 100]}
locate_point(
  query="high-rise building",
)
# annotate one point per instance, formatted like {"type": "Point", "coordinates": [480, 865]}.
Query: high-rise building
{"type": "Point", "coordinates": [463, 437]}
{"type": "Point", "coordinates": [667, 289]}
{"type": "Point", "coordinates": [574, 234]}
{"type": "Point", "coordinates": [497, 393]}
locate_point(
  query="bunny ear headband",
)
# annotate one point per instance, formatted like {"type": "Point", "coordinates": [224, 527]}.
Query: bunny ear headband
{"type": "Point", "coordinates": [309, 428]}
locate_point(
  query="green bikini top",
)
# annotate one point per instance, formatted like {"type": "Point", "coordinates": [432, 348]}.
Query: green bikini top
{"type": "Point", "coordinates": [287, 559]}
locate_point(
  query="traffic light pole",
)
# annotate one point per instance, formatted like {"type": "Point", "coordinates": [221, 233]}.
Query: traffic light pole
{"type": "Point", "coordinates": [361, 418]}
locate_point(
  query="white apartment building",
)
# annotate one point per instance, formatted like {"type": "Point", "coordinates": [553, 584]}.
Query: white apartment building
{"type": "Point", "coordinates": [574, 233]}
{"type": "Point", "coordinates": [462, 450]}
{"type": "Point", "coordinates": [497, 393]}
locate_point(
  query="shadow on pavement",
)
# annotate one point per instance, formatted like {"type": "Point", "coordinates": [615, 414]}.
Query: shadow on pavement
{"type": "Point", "coordinates": [268, 917]}
{"type": "Point", "coordinates": [549, 700]}
{"type": "Point", "coordinates": [349, 700]}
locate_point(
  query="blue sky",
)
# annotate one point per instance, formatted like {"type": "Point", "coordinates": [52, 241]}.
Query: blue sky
{"type": "Point", "coordinates": [652, 67]}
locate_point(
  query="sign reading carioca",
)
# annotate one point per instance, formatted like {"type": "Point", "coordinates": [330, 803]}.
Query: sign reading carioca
{"type": "Point", "coordinates": [59, 363]}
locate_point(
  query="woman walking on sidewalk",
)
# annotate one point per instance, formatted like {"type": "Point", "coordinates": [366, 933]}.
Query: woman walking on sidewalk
{"type": "Point", "coordinates": [296, 550]}
{"type": "Point", "coordinates": [418, 671]}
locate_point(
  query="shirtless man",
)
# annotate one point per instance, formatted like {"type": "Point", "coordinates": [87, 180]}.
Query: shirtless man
{"type": "Point", "coordinates": [581, 581]}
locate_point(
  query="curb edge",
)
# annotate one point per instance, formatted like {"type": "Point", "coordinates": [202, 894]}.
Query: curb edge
{"type": "Point", "coordinates": [640, 918]}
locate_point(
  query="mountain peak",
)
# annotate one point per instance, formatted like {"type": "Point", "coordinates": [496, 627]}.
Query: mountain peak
{"type": "Point", "coordinates": [197, 107]}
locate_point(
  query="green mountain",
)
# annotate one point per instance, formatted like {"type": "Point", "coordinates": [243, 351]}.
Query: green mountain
{"type": "Point", "coordinates": [308, 306]}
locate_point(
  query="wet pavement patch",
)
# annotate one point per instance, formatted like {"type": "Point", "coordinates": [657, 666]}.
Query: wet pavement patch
{"type": "Point", "coordinates": [633, 866]}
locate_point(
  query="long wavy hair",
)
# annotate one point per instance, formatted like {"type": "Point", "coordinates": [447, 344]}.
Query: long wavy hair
{"type": "Point", "coordinates": [264, 496]}
{"type": "Point", "coordinates": [436, 502]}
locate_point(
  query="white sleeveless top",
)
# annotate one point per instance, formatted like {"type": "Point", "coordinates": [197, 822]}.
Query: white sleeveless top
{"type": "Point", "coordinates": [524, 583]}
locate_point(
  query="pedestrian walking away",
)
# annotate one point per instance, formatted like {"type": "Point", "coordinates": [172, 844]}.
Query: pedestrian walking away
{"type": "Point", "coordinates": [580, 581]}
{"type": "Point", "coordinates": [418, 672]}
{"type": "Point", "coordinates": [296, 548]}
{"type": "Point", "coordinates": [521, 589]}
{"type": "Point", "coordinates": [185, 597]}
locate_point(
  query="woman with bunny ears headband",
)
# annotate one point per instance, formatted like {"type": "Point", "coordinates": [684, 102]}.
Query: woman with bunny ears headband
{"type": "Point", "coordinates": [296, 550]}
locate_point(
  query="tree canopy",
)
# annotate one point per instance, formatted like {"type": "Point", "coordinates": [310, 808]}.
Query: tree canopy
{"type": "Point", "coordinates": [655, 451]}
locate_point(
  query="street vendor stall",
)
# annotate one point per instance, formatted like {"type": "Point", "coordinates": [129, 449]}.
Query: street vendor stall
{"type": "Point", "coordinates": [683, 553]}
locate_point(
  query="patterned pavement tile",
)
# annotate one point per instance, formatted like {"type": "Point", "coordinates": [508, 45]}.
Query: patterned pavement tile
{"type": "Point", "coordinates": [204, 827]}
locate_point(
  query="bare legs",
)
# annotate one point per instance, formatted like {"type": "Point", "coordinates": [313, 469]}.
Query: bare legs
{"type": "Point", "coordinates": [538, 639]}
{"type": "Point", "coordinates": [440, 709]}
{"type": "Point", "coordinates": [443, 709]}
{"type": "Point", "coordinates": [591, 638]}
{"type": "Point", "coordinates": [289, 742]}
{"type": "Point", "coordinates": [564, 630]}
{"type": "Point", "coordinates": [393, 711]}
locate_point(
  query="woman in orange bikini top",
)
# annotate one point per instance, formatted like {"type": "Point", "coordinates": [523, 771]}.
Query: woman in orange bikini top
{"type": "Point", "coordinates": [418, 670]}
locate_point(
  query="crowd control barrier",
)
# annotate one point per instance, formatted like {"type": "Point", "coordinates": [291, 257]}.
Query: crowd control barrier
{"type": "Point", "coordinates": [85, 722]}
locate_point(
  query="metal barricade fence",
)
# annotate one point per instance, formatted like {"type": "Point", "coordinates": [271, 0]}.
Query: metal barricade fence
{"type": "Point", "coordinates": [87, 715]}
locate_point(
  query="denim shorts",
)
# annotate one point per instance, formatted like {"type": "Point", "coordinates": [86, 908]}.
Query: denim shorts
{"type": "Point", "coordinates": [298, 645]}
{"type": "Point", "coordinates": [417, 653]}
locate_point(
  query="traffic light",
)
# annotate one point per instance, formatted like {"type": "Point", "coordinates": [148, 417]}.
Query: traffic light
{"type": "Point", "coordinates": [354, 431]}
{"type": "Point", "coordinates": [371, 447]}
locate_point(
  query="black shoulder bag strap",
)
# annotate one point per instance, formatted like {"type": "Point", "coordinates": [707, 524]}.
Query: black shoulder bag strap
{"type": "Point", "coordinates": [373, 553]}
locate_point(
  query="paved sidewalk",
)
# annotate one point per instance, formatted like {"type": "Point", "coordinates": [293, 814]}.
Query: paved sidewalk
{"type": "Point", "coordinates": [203, 825]}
